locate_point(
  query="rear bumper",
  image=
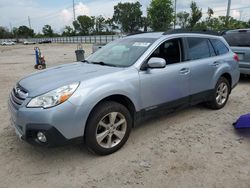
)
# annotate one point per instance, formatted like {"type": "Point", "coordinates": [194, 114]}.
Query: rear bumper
{"type": "Point", "coordinates": [245, 71]}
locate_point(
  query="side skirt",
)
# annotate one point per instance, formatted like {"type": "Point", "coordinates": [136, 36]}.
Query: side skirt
{"type": "Point", "coordinates": [170, 107]}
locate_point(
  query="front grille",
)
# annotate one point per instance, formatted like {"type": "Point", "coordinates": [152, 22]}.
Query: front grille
{"type": "Point", "coordinates": [17, 96]}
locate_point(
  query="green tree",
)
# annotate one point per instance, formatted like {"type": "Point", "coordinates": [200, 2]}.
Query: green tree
{"type": "Point", "coordinates": [84, 24]}
{"type": "Point", "coordinates": [111, 26]}
{"type": "Point", "coordinates": [48, 31]}
{"type": "Point", "coordinates": [145, 23]}
{"type": "Point", "coordinates": [4, 33]}
{"type": "Point", "coordinates": [68, 31]}
{"type": "Point", "coordinates": [129, 16]}
{"type": "Point", "coordinates": [195, 16]}
{"type": "Point", "coordinates": [182, 19]}
{"type": "Point", "coordinates": [208, 22]}
{"type": "Point", "coordinates": [160, 14]}
{"type": "Point", "coordinates": [99, 24]}
{"type": "Point", "coordinates": [24, 31]}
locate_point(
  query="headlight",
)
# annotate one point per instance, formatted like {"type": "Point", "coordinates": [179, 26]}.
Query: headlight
{"type": "Point", "coordinates": [53, 97]}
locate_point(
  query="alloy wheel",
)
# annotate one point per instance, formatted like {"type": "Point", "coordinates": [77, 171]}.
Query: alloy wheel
{"type": "Point", "coordinates": [111, 129]}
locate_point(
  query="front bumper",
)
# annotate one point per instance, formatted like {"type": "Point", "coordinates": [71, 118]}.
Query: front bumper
{"type": "Point", "coordinates": [61, 124]}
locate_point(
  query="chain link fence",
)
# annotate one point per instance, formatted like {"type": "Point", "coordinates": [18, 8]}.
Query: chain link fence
{"type": "Point", "coordinates": [101, 39]}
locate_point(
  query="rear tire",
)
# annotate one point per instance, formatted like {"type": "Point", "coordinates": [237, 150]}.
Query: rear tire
{"type": "Point", "coordinates": [108, 128]}
{"type": "Point", "coordinates": [220, 94]}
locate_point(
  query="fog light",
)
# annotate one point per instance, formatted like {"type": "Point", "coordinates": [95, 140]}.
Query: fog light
{"type": "Point", "coordinates": [41, 137]}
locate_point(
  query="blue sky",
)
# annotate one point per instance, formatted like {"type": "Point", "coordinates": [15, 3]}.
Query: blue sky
{"type": "Point", "coordinates": [58, 13]}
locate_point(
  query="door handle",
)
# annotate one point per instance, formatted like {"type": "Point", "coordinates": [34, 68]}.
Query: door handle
{"type": "Point", "coordinates": [184, 71]}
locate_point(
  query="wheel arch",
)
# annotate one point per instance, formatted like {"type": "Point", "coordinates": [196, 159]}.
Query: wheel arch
{"type": "Point", "coordinates": [119, 98]}
{"type": "Point", "coordinates": [229, 78]}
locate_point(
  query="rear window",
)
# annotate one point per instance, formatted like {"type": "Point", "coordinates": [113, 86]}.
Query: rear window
{"type": "Point", "coordinates": [238, 38]}
{"type": "Point", "coordinates": [219, 47]}
{"type": "Point", "coordinates": [199, 48]}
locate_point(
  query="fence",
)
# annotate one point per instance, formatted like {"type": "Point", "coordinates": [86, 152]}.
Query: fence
{"type": "Point", "coordinates": [76, 39]}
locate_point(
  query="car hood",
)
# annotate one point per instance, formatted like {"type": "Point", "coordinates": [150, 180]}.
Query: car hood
{"type": "Point", "coordinates": [53, 78]}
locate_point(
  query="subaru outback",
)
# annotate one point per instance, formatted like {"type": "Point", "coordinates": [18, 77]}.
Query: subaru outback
{"type": "Point", "coordinates": [99, 100]}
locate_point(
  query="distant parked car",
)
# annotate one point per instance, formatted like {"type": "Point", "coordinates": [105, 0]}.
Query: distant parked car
{"type": "Point", "coordinates": [7, 43]}
{"type": "Point", "coordinates": [26, 42]}
{"type": "Point", "coordinates": [45, 41]}
{"type": "Point", "coordinates": [239, 41]}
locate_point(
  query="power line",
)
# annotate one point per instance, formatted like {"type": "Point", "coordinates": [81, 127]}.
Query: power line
{"type": "Point", "coordinates": [52, 13]}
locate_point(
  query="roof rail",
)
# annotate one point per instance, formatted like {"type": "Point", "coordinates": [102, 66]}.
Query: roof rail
{"type": "Point", "coordinates": [176, 31]}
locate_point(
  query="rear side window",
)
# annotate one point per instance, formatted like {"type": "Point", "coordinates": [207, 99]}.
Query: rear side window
{"type": "Point", "coordinates": [238, 38]}
{"type": "Point", "coordinates": [219, 47]}
{"type": "Point", "coordinates": [199, 48]}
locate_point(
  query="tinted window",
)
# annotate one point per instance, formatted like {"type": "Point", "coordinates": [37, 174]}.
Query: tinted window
{"type": "Point", "coordinates": [169, 50]}
{"type": "Point", "coordinates": [219, 47]}
{"type": "Point", "coordinates": [238, 38]}
{"type": "Point", "coordinates": [198, 48]}
{"type": "Point", "coordinates": [211, 49]}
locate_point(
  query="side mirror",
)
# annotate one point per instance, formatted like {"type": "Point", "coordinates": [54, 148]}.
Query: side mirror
{"type": "Point", "coordinates": [156, 62]}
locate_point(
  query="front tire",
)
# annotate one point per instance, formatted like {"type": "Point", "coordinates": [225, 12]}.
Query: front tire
{"type": "Point", "coordinates": [108, 128]}
{"type": "Point", "coordinates": [220, 94]}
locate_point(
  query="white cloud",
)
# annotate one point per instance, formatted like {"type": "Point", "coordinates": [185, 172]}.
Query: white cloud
{"type": "Point", "coordinates": [235, 14]}
{"type": "Point", "coordinates": [82, 9]}
{"type": "Point", "coordinates": [16, 12]}
{"type": "Point", "coordinates": [67, 14]}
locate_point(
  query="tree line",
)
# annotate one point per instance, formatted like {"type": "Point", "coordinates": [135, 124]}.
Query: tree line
{"type": "Point", "coordinates": [128, 18]}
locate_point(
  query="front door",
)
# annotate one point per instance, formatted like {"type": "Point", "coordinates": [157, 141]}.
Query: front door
{"type": "Point", "coordinates": [166, 85]}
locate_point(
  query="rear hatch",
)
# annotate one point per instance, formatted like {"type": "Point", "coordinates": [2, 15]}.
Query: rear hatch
{"type": "Point", "coordinates": [239, 41]}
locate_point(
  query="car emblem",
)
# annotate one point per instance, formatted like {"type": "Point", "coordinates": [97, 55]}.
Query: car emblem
{"type": "Point", "coordinates": [20, 93]}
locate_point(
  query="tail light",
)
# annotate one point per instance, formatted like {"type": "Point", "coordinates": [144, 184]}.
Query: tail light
{"type": "Point", "coordinates": [236, 58]}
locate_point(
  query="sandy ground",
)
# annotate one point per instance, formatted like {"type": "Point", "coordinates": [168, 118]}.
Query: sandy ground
{"type": "Point", "coordinates": [195, 147]}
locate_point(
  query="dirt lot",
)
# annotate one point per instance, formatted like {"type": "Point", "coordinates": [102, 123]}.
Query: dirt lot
{"type": "Point", "coordinates": [195, 147]}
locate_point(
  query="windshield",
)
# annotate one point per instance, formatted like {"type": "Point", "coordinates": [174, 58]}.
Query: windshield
{"type": "Point", "coordinates": [121, 53]}
{"type": "Point", "coordinates": [238, 38]}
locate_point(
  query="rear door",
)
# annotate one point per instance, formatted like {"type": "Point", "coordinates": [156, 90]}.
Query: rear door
{"type": "Point", "coordinates": [203, 64]}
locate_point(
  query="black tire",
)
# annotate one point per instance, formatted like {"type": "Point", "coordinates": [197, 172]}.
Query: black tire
{"type": "Point", "coordinates": [98, 115]}
{"type": "Point", "coordinates": [214, 104]}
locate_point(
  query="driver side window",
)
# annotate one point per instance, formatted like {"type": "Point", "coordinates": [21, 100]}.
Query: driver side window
{"type": "Point", "coordinates": [170, 51]}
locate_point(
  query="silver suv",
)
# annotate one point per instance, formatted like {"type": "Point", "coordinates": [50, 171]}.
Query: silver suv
{"type": "Point", "coordinates": [239, 41]}
{"type": "Point", "coordinates": [99, 100]}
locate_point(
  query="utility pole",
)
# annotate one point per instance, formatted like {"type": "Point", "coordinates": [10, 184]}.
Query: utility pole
{"type": "Point", "coordinates": [228, 12]}
{"type": "Point", "coordinates": [241, 12]}
{"type": "Point", "coordinates": [175, 13]}
{"type": "Point", "coordinates": [11, 28]}
{"type": "Point", "coordinates": [74, 12]}
{"type": "Point", "coordinates": [29, 22]}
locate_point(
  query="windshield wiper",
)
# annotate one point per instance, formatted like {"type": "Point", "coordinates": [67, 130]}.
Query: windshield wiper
{"type": "Point", "coordinates": [102, 63]}
{"type": "Point", "coordinates": [85, 61]}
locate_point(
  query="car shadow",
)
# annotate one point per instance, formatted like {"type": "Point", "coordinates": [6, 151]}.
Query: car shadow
{"type": "Point", "coordinates": [243, 133]}
{"type": "Point", "coordinates": [244, 78]}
